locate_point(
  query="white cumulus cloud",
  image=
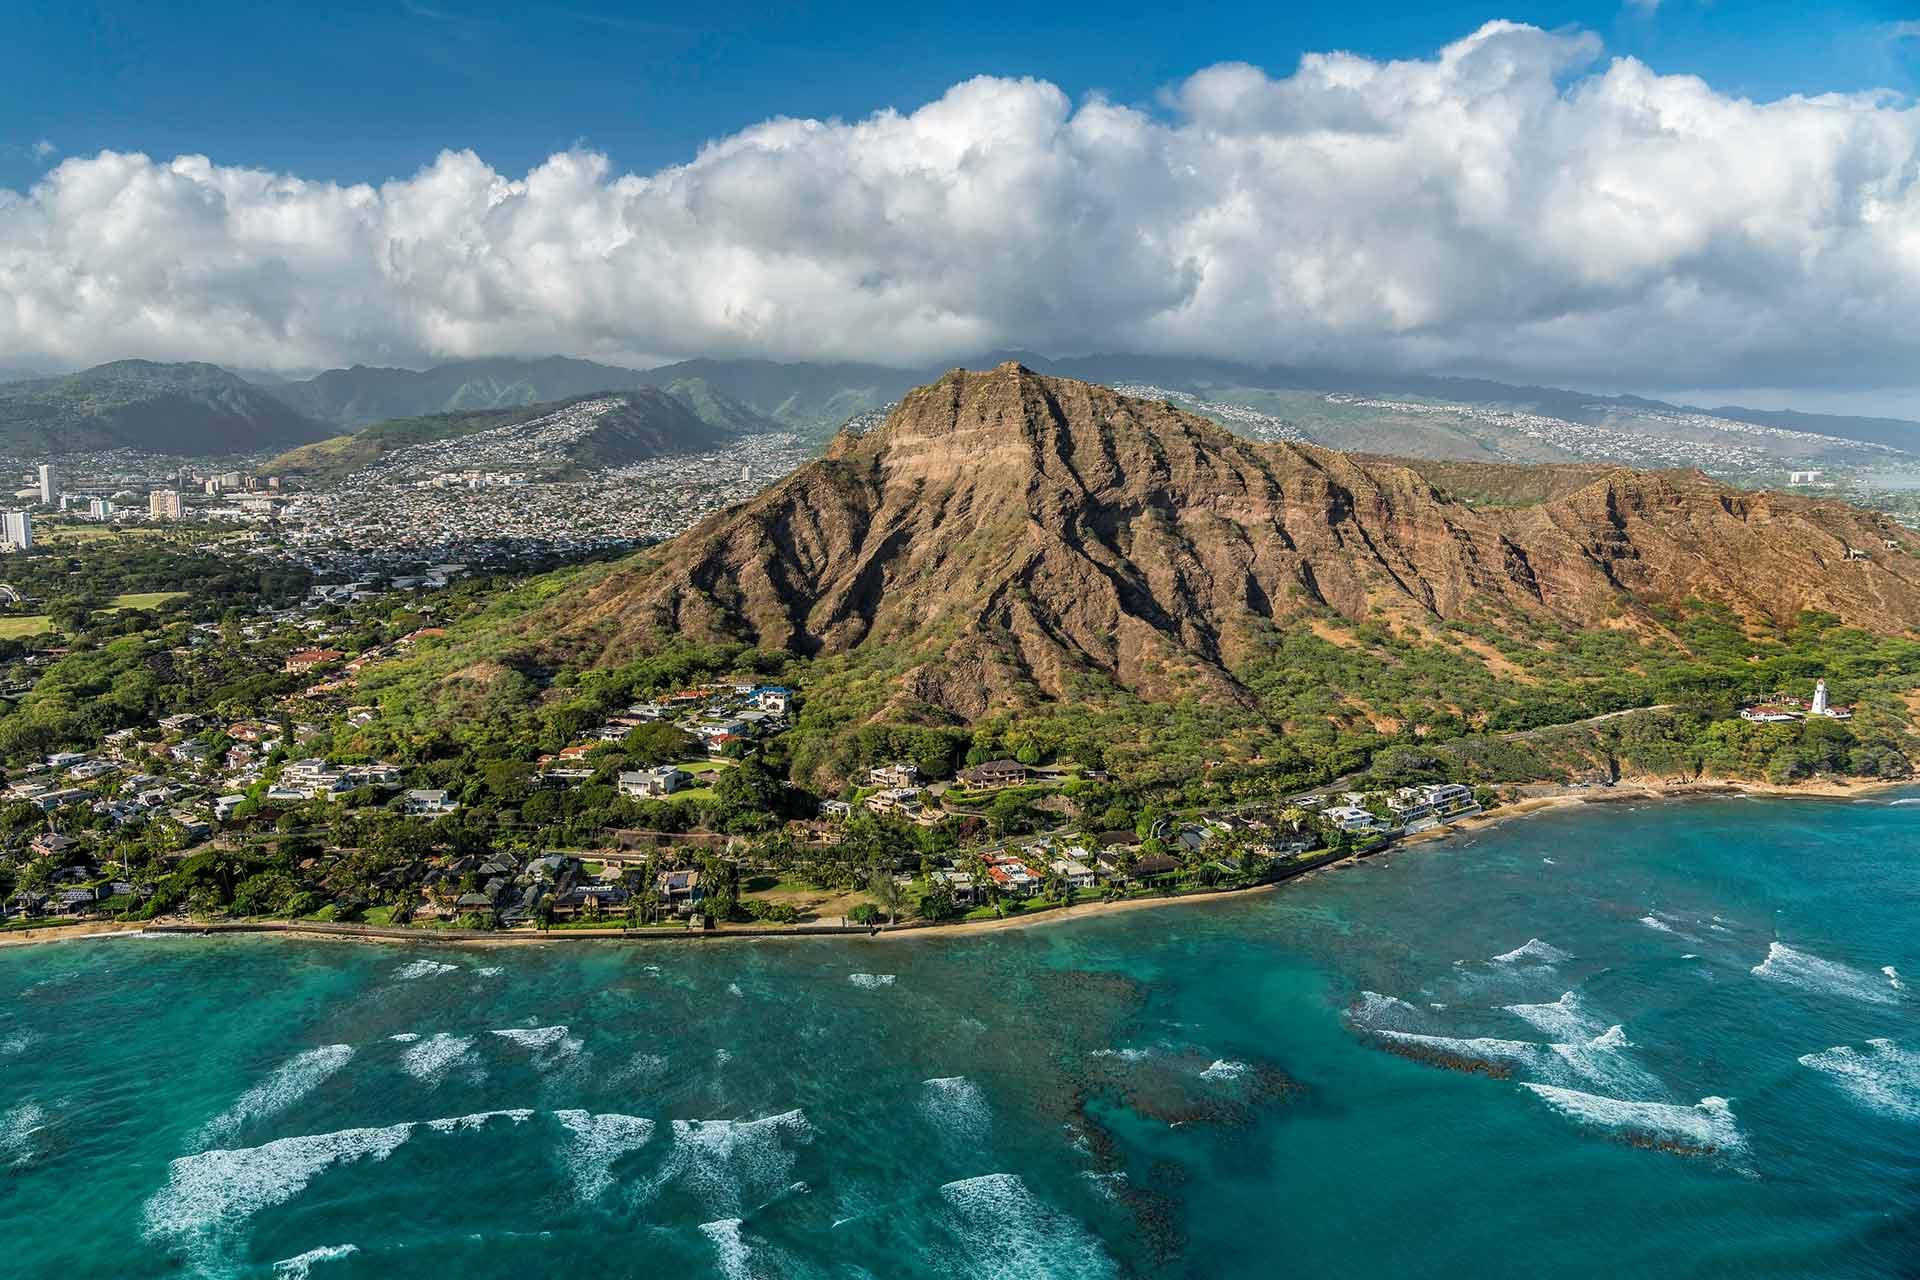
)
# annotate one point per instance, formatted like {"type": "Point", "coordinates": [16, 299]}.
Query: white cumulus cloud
{"type": "Point", "coordinates": [1516, 204]}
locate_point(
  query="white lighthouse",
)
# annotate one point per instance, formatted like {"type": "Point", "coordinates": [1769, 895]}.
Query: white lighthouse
{"type": "Point", "coordinates": [1820, 697]}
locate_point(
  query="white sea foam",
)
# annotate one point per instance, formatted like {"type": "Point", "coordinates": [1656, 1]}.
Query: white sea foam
{"type": "Point", "coordinates": [217, 1191]}
{"type": "Point", "coordinates": [1008, 1233]}
{"type": "Point", "coordinates": [1567, 1018]}
{"type": "Point", "coordinates": [1893, 977]}
{"type": "Point", "coordinates": [540, 1038]}
{"type": "Point", "coordinates": [1707, 1125]}
{"type": "Point", "coordinates": [1550, 862]}
{"type": "Point", "coordinates": [1811, 973]}
{"type": "Point", "coordinates": [733, 989]}
{"type": "Point", "coordinates": [16, 1043]}
{"type": "Point", "coordinates": [422, 969]}
{"type": "Point", "coordinates": [1905, 800]}
{"type": "Point", "coordinates": [598, 1142]}
{"type": "Point", "coordinates": [405, 1037]}
{"type": "Point", "coordinates": [1532, 951]}
{"type": "Point", "coordinates": [17, 1128]}
{"type": "Point", "coordinates": [478, 1120]}
{"type": "Point", "coordinates": [1224, 1069]}
{"type": "Point", "coordinates": [1125, 1055]}
{"type": "Point", "coordinates": [871, 980]}
{"type": "Point", "coordinates": [300, 1266]}
{"type": "Point", "coordinates": [1881, 1077]}
{"type": "Point", "coordinates": [1373, 1009]}
{"type": "Point", "coordinates": [433, 1058]}
{"type": "Point", "coordinates": [730, 1251]}
{"type": "Point", "coordinates": [1599, 1060]}
{"type": "Point", "coordinates": [490, 971]}
{"type": "Point", "coordinates": [730, 1166]}
{"type": "Point", "coordinates": [957, 1107]}
{"type": "Point", "coordinates": [291, 1081]}
{"type": "Point", "coordinates": [1656, 923]}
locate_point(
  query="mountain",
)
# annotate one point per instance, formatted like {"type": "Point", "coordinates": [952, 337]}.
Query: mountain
{"type": "Point", "coordinates": [361, 395]}
{"type": "Point", "coordinates": [1006, 539]}
{"type": "Point", "coordinates": [593, 431]}
{"type": "Point", "coordinates": [189, 409]}
{"type": "Point", "coordinates": [815, 399]}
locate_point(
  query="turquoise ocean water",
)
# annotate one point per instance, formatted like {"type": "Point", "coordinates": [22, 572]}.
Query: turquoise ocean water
{"type": "Point", "coordinates": [1671, 1041]}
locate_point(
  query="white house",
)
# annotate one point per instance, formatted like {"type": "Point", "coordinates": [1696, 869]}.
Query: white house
{"type": "Point", "coordinates": [652, 783]}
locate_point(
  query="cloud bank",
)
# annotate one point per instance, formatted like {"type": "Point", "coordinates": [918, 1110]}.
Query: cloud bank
{"type": "Point", "coordinates": [1515, 204]}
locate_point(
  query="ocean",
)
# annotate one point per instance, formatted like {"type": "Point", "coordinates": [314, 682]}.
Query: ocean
{"type": "Point", "coordinates": [1671, 1040]}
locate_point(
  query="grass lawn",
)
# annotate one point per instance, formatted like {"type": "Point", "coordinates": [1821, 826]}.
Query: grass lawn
{"type": "Point", "coordinates": [31, 625]}
{"type": "Point", "coordinates": [144, 599]}
{"type": "Point", "coordinates": [379, 915]}
{"type": "Point", "coordinates": [706, 766]}
{"type": "Point", "coordinates": [694, 793]}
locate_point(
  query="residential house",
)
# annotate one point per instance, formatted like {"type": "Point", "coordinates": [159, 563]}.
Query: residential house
{"type": "Point", "coordinates": [897, 774]}
{"type": "Point", "coordinates": [679, 890]}
{"type": "Point", "coordinates": [1013, 877]}
{"type": "Point", "coordinates": [994, 774]}
{"type": "Point", "coordinates": [1076, 873]}
{"type": "Point", "coordinates": [662, 780]}
{"type": "Point", "coordinates": [1352, 818]}
{"type": "Point", "coordinates": [430, 803]}
{"type": "Point", "coordinates": [308, 659]}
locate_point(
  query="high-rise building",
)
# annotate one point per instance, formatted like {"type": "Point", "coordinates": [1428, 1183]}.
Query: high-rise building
{"type": "Point", "coordinates": [49, 485]}
{"type": "Point", "coordinates": [100, 509]}
{"type": "Point", "coordinates": [19, 530]}
{"type": "Point", "coordinates": [164, 504]}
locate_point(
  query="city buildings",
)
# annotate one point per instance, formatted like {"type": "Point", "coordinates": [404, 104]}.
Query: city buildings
{"type": "Point", "coordinates": [164, 504]}
{"type": "Point", "coordinates": [49, 485]}
{"type": "Point", "coordinates": [18, 530]}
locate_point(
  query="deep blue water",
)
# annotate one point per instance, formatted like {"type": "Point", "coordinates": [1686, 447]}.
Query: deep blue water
{"type": "Point", "coordinates": [1669, 1041]}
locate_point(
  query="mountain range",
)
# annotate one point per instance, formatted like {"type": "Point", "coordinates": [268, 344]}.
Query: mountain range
{"type": "Point", "coordinates": [815, 398]}
{"type": "Point", "coordinates": [1005, 539]}
{"type": "Point", "coordinates": [586, 432]}
{"type": "Point", "coordinates": [194, 409]}
{"type": "Point", "coordinates": [202, 409]}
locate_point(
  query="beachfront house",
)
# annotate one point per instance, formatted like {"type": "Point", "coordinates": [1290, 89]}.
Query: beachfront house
{"type": "Point", "coordinates": [1352, 819]}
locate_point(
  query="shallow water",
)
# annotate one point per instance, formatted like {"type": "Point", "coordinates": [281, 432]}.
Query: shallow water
{"type": "Point", "coordinates": [1672, 1041]}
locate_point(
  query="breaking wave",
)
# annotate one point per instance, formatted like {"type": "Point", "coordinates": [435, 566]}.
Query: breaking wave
{"type": "Point", "coordinates": [1702, 1129]}
{"type": "Point", "coordinates": [1893, 977]}
{"type": "Point", "coordinates": [598, 1142]}
{"type": "Point", "coordinates": [732, 1165]}
{"type": "Point", "coordinates": [291, 1081]}
{"type": "Point", "coordinates": [1827, 977]}
{"type": "Point", "coordinates": [730, 1251]}
{"type": "Point", "coordinates": [871, 980]}
{"type": "Point", "coordinates": [16, 1043]}
{"type": "Point", "coordinates": [1567, 1018]}
{"type": "Point", "coordinates": [17, 1128]}
{"type": "Point", "coordinates": [299, 1266]}
{"type": "Point", "coordinates": [1882, 1077]}
{"type": "Point", "coordinates": [1223, 1069]}
{"type": "Point", "coordinates": [1373, 1009]}
{"type": "Point", "coordinates": [1599, 1060]}
{"type": "Point", "coordinates": [422, 969]}
{"type": "Point", "coordinates": [1008, 1233]}
{"type": "Point", "coordinates": [431, 1059]}
{"type": "Point", "coordinates": [453, 1124]}
{"type": "Point", "coordinates": [957, 1107]}
{"type": "Point", "coordinates": [1533, 951]}
{"type": "Point", "coordinates": [217, 1191]}
{"type": "Point", "coordinates": [1656, 923]}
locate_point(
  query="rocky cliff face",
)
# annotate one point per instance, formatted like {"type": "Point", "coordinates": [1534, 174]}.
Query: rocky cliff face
{"type": "Point", "coordinates": [1004, 534]}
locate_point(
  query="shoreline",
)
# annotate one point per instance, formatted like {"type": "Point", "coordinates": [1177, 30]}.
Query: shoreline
{"type": "Point", "coordinates": [1556, 797]}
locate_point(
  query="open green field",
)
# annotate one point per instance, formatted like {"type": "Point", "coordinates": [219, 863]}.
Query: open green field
{"type": "Point", "coordinates": [145, 599]}
{"type": "Point", "coordinates": [20, 628]}
{"type": "Point", "coordinates": [50, 533]}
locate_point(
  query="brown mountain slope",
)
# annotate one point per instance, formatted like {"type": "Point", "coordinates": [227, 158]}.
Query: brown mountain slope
{"type": "Point", "coordinates": [1003, 532]}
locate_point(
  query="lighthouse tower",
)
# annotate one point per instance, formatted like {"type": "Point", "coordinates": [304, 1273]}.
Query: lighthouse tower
{"type": "Point", "coordinates": [1820, 697]}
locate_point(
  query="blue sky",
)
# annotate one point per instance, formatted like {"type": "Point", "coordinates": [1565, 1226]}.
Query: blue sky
{"type": "Point", "coordinates": [357, 90]}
